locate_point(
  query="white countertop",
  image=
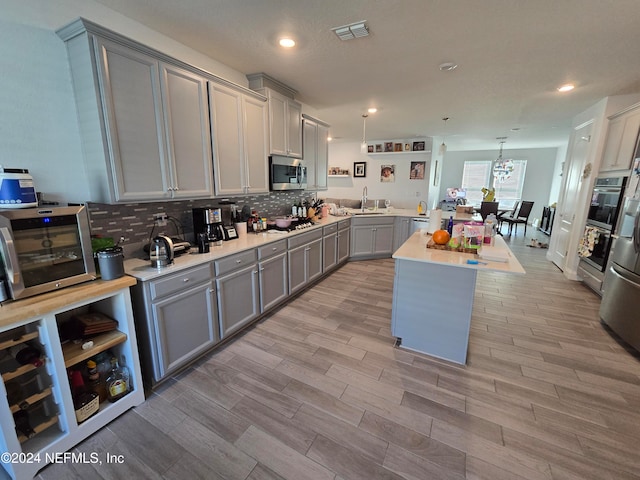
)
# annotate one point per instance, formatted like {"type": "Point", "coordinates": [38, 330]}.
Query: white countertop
{"type": "Point", "coordinates": [415, 249]}
{"type": "Point", "coordinates": [141, 268]}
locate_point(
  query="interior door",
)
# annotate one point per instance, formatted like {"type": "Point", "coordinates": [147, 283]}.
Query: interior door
{"type": "Point", "coordinates": [573, 174]}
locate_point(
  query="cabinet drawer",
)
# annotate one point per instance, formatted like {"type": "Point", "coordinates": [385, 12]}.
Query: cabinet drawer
{"type": "Point", "coordinates": [342, 224]}
{"type": "Point", "coordinates": [372, 220]}
{"type": "Point", "coordinates": [230, 263]}
{"type": "Point", "coordinates": [329, 229]}
{"type": "Point", "coordinates": [304, 238]}
{"type": "Point", "coordinates": [179, 281]}
{"type": "Point", "coordinates": [271, 249]}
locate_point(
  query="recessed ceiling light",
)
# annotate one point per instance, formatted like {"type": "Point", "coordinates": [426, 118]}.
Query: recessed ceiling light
{"type": "Point", "coordinates": [372, 110]}
{"type": "Point", "coordinates": [566, 88]}
{"type": "Point", "coordinates": [287, 42]}
{"type": "Point", "coordinates": [447, 67]}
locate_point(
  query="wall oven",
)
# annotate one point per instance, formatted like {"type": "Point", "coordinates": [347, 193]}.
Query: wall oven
{"type": "Point", "coordinates": [287, 174]}
{"type": "Point", "coordinates": [44, 249]}
{"type": "Point", "coordinates": [606, 200]}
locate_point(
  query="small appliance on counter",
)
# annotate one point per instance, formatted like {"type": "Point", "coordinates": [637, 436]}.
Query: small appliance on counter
{"type": "Point", "coordinates": [44, 249]}
{"type": "Point", "coordinates": [208, 221]}
{"type": "Point", "coordinates": [16, 188]}
{"type": "Point", "coordinates": [161, 251]}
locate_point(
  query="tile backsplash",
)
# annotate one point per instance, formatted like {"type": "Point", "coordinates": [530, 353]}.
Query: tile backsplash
{"type": "Point", "coordinates": [134, 221]}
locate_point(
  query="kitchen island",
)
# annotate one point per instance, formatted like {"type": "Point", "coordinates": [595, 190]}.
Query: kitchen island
{"type": "Point", "coordinates": [433, 296]}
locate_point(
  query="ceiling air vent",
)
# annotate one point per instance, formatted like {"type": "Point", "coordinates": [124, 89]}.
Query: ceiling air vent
{"type": "Point", "coordinates": [353, 30]}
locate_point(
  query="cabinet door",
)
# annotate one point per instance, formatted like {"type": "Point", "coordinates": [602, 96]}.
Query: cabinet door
{"type": "Point", "coordinates": [185, 326]}
{"type": "Point", "coordinates": [294, 129]}
{"type": "Point", "coordinates": [628, 143]}
{"type": "Point", "coordinates": [132, 108]}
{"type": "Point", "coordinates": [310, 149]}
{"type": "Point", "coordinates": [612, 144]}
{"type": "Point", "coordinates": [274, 285]}
{"type": "Point", "coordinates": [362, 240]}
{"type": "Point", "coordinates": [255, 137]}
{"type": "Point", "coordinates": [343, 244]}
{"type": "Point", "coordinates": [238, 299]}
{"type": "Point", "coordinates": [228, 145]}
{"type": "Point", "coordinates": [622, 135]}
{"type": "Point", "coordinates": [314, 260]}
{"type": "Point", "coordinates": [322, 157]}
{"type": "Point", "coordinates": [277, 123]}
{"type": "Point", "coordinates": [186, 113]}
{"type": "Point", "coordinates": [383, 239]}
{"type": "Point", "coordinates": [329, 251]}
{"type": "Point", "coordinates": [297, 268]}
{"type": "Point", "coordinates": [401, 231]}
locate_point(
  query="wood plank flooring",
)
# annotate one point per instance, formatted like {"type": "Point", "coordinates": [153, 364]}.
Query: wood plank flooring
{"type": "Point", "coordinates": [318, 390]}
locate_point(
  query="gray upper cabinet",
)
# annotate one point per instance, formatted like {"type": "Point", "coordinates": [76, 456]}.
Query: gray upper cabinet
{"type": "Point", "coordinates": [285, 125]}
{"type": "Point", "coordinates": [239, 124]}
{"type": "Point", "coordinates": [186, 116]}
{"type": "Point", "coordinates": [315, 147]}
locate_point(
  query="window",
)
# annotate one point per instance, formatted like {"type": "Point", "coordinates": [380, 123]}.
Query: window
{"type": "Point", "coordinates": [478, 174]}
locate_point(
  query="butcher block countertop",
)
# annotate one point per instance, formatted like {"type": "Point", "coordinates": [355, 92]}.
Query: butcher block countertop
{"type": "Point", "coordinates": [33, 307]}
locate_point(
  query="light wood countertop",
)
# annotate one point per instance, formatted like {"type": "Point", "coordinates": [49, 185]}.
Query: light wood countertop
{"type": "Point", "coordinates": [39, 305]}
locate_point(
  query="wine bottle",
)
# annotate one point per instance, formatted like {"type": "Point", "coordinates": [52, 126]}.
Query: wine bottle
{"type": "Point", "coordinates": [450, 225]}
{"type": "Point", "coordinates": [23, 425]}
{"type": "Point", "coordinates": [27, 354]}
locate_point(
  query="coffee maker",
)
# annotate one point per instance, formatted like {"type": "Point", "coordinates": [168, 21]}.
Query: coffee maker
{"type": "Point", "coordinates": [208, 221]}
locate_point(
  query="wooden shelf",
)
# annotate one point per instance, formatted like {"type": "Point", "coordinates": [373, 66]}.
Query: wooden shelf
{"type": "Point", "coordinates": [20, 371]}
{"type": "Point", "coordinates": [32, 399]}
{"type": "Point", "coordinates": [73, 352]}
{"type": "Point", "coordinates": [24, 338]}
{"type": "Point", "coordinates": [40, 427]}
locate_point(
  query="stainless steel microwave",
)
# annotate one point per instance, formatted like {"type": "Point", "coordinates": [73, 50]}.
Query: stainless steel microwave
{"type": "Point", "coordinates": [44, 249]}
{"type": "Point", "coordinates": [287, 174]}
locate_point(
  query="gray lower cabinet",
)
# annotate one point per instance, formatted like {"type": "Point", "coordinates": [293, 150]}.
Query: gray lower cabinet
{"type": "Point", "coordinates": [238, 291]}
{"type": "Point", "coordinates": [274, 274]}
{"type": "Point", "coordinates": [401, 231]}
{"type": "Point", "coordinates": [329, 247]}
{"type": "Point", "coordinates": [305, 259]}
{"type": "Point", "coordinates": [176, 320]}
{"type": "Point", "coordinates": [344, 240]}
{"type": "Point", "coordinates": [371, 237]}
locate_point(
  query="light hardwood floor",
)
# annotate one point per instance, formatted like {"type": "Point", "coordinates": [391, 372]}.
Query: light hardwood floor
{"type": "Point", "coordinates": [318, 390]}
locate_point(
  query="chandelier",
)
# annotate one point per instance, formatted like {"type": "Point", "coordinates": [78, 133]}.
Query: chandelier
{"type": "Point", "coordinates": [502, 169]}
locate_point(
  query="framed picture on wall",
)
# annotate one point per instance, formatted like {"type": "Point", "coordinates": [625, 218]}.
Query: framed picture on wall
{"type": "Point", "coordinates": [359, 169]}
{"type": "Point", "coordinates": [418, 146]}
{"type": "Point", "coordinates": [378, 147]}
{"type": "Point", "coordinates": [417, 171]}
{"type": "Point", "coordinates": [387, 173]}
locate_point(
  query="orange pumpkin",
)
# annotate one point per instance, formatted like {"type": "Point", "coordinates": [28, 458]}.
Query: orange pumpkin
{"type": "Point", "coordinates": [440, 237]}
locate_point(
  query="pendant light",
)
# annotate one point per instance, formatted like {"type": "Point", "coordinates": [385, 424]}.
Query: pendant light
{"type": "Point", "coordinates": [502, 169]}
{"type": "Point", "coordinates": [363, 145]}
{"type": "Point", "coordinates": [443, 147]}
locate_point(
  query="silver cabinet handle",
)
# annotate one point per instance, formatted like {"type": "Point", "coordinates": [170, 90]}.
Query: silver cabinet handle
{"type": "Point", "coordinates": [262, 269]}
{"type": "Point", "coordinates": [185, 280]}
{"type": "Point", "coordinates": [238, 261]}
{"type": "Point", "coordinates": [274, 248]}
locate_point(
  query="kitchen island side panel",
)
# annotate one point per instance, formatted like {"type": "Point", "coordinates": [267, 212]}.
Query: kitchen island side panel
{"type": "Point", "coordinates": [432, 307]}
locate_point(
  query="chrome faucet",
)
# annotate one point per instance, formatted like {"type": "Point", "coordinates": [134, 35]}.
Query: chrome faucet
{"type": "Point", "coordinates": [364, 198]}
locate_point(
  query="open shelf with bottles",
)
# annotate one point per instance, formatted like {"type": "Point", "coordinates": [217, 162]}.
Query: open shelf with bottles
{"type": "Point", "coordinates": [43, 391]}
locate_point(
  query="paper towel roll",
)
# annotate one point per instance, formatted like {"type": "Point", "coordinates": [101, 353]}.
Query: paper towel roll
{"type": "Point", "coordinates": [435, 220]}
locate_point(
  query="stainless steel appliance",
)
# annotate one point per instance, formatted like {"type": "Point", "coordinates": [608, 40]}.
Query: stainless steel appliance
{"type": "Point", "coordinates": [621, 298]}
{"type": "Point", "coordinates": [161, 251]}
{"type": "Point", "coordinates": [287, 173]}
{"type": "Point", "coordinates": [606, 200]}
{"type": "Point", "coordinates": [44, 249]}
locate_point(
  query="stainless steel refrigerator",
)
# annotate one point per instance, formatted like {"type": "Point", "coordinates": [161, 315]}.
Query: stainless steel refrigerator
{"type": "Point", "coordinates": [620, 306]}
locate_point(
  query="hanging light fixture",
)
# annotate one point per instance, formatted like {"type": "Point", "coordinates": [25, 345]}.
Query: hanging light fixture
{"type": "Point", "coordinates": [363, 145]}
{"type": "Point", "coordinates": [502, 168]}
{"type": "Point", "coordinates": [443, 147]}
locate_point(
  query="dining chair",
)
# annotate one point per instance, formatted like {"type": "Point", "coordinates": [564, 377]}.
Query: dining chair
{"type": "Point", "coordinates": [521, 217]}
{"type": "Point", "coordinates": [487, 208]}
{"type": "Point", "coordinates": [507, 214]}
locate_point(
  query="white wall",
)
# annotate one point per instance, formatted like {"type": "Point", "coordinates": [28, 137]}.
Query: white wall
{"type": "Point", "coordinates": [38, 123]}
{"type": "Point", "coordinates": [541, 172]}
{"type": "Point", "coordinates": [403, 193]}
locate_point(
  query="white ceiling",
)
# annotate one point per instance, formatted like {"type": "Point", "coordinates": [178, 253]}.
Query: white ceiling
{"type": "Point", "coordinates": [512, 54]}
